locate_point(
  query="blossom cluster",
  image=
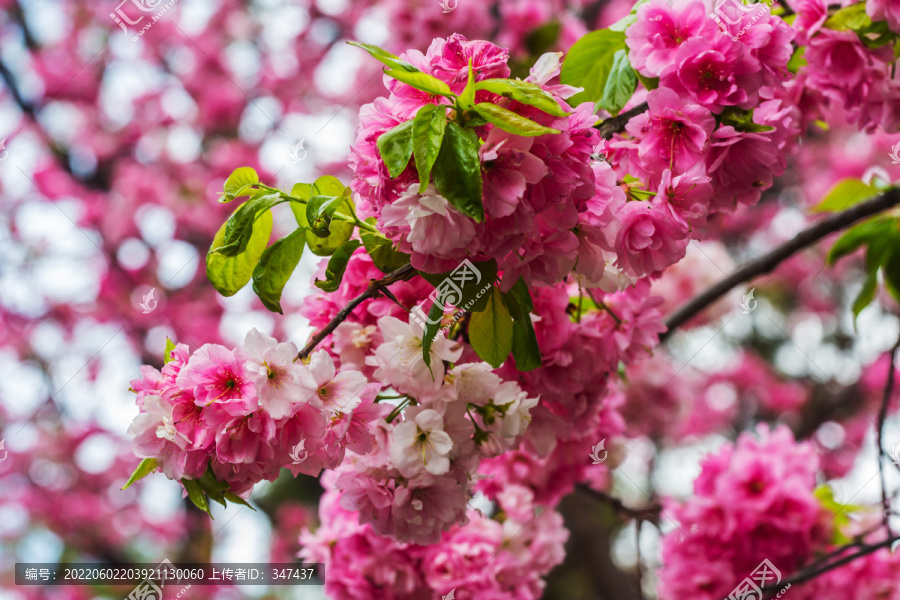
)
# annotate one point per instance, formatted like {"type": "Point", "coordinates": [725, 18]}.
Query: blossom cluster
{"type": "Point", "coordinates": [486, 557]}
{"type": "Point", "coordinates": [547, 207]}
{"type": "Point", "coordinates": [753, 500]}
{"type": "Point", "coordinates": [249, 411]}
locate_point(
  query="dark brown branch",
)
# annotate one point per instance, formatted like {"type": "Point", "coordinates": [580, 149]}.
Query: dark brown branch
{"type": "Point", "coordinates": [882, 416]}
{"type": "Point", "coordinates": [376, 287]}
{"type": "Point", "coordinates": [817, 568]}
{"type": "Point", "coordinates": [768, 262]}
{"type": "Point", "coordinates": [649, 513]}
{"type": "Point", "coordinates": [617, 124]}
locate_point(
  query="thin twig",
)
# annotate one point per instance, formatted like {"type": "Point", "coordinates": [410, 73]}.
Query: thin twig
{"type": "Point", "coordinates": [882, 416]}
{"type": "Point", "coordinates": [376, 287]}
{"type": "Point", "coordinates": [768, 262]}
{"type": "Point", "coordinates": [816, 568]}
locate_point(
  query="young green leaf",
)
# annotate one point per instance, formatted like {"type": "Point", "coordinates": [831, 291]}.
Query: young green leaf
{"type": "Point", "coordinates": [457, 171]}
{"type": "Point", "coordinates": [432, 327]}
{"type": "Point", "coordinates": [239, 227]}
{"type": "Point", "coordinates": [422, 81]}
{"type": "Point", "coordinates": [275, 267]}
{"type": "Point", "coordinates": [846, 193]}
{"type": "Point", "coordinates": [620, 84]}
{"type": "Point", "coordinates": [512, 122]}
{"type": "Point", "coordinates": [525, 346]}
{"type": "Point", "coordinates": [232, 497]}
{"type": "Point", "coordinates": [147, 466]}
{"type": "Point", "coordinates": [382, 252]}
{"type": "Point", "coordinates": [395, 147]}
{"type": "Point", "coordinates": [491, 330]}
{"type": "Point", "coordinates": [167, 355]}
{"type": "Point", "coordinates": [195, 493]}
{"type": "Point", "coordinates": [337, 264]}
{"type": "Point", "coordinates": [524, 92]}
{"type": "Point", "coordinates": [467, 97]}
{"type": "Point", "coordinates": [589, 62]}
{"type": "Point", "coordinates": [386, 57]}
{"type": "Point", "coordinates": [427, 134]}
{"type": "Point", "coordinates": [319, 212]}
{"type": "Point", "coordinates": [228, 274]}
{"type": "Point", "coordinates": [469, 290]}
{"type": "Point", "coordinates": [239, 183]}
{"type": "Point", "coordinates": [858, 235]}
{"type": "Point", "coordinates": [852, 17]}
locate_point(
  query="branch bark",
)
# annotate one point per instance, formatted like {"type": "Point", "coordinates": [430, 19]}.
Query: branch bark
{"type": "Point", "coordinates": [649, 513]}
{"type": "Point", "coordinates": [768, 262]}
{"type": "Point", "coordinates": [617, 124]}
{"type": "Point", "coordinates": [882, 416]}
{"type": "Point", "coordinates": [376, 287]}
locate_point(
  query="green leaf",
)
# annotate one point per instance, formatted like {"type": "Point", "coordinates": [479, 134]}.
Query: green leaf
{"type": "Point", "coordinates": [339, 230]}
{"type": "Point", "coordinates": [167, 356]}
{"type": "Point", "coordinates": [649, 83]}
{"type": "Point", "coordinates": [467, 97]}
{"type": "Point", "coordinates": [382, 251]}
{"type": "Point", "coordinates": [232, 497]}
{"type": "Point", "coordinates": [798, 60]}
{"type": "Point", "coordinates": [395, 147]}
{"type": "Point", "coordinates": [511, 122]}
{"type": "Point", "coordinates": [228, 274]}
{"type": "Point", "coordinates": [524, 92]}
{"type": "Point", "coordinates": [239, 227]}
{"type": "Point", "coordinates": [195, 493]}
{"type": "Point", "coordinates": [857, 235]}
{"type": "Point", "coordinates": [432, 327]}
{"type": "Point", "coordinates": [238, 183]}
{"type": "Point", "coordinates": [457, 171]}
{"type": "Point", "coordinates": [620, 84]}
{"type": "Point", "coordinates": [825, 495]}
{"type": "Point", "coordinates": [742, 120]}
{"type": "Point", "coordinates": [337, 264]}
{"type": "Point", "coordinates": [525, 348]}
{"type": "Point", "coordinates": [275, 267]}
{"type": "Point", "coordinates": [875, 254]}
{"type": "Point", "coordinates": [422, 81]}
{"type": "Point", "coordinates": [890, 270]}
{"type": "Point", "coordinates": [209, 482]}
{"type": "Point", "coordinates": [386, 57]}
{"type": "Point", "coordinates": [589, 62]}
{"type": "Point", "coordinates": [147, 466]}
{"type": "Point", "coordinates": [427, 134]}
{"type": "Point", "coordinates": [319, 212]}
{"type": "Point", "coordinates": [846, 193]}
{"type": "Point", "coordinates": [851, 17]}
{"type": "Point", "coordinates": [491, 330]}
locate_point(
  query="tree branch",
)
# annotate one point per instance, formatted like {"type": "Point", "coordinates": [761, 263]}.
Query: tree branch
{"type": "Point", "coordinates": [617, 124]}
{"type": "Point", "coordinates": [768, 262]}
{"type": "Point", "coordinates": [376, 287]}
{"type": "Point", "coordinates": [817, 568]}
{"type": "Point", "coordinates": [882, 416]}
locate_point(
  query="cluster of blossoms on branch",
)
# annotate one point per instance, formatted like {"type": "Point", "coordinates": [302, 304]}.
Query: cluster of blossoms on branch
{"type": "Point", "coordinates": [407, 419]}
